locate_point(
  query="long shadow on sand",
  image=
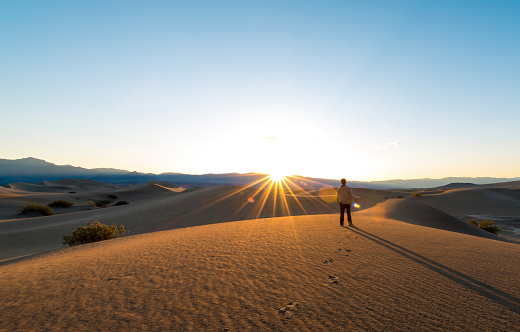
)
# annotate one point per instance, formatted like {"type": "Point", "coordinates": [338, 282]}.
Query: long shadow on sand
{"type": "Point", "coordinates": [502, 298]}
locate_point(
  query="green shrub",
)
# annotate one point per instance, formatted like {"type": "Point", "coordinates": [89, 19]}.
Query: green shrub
{"type": "Point", "coordinates": [61, 203]}
{"type": "Point", "coordinates": [487, 225]}
{"type": "Point", "coordinates": [121, 203]}
{"type": "Point", "coordinates": [93, 233]}
{"type": "Point", "coordinates": [112, 196]}
{"type": "Point", "coordinates": [416, 194]}
{"type": "Point", "coordinates": [35, 208]}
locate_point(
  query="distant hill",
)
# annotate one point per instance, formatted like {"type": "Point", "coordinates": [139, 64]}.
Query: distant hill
{"type": "Point", "coordinates": [457, 185]}
{"type": "Point", "coordinates": [34, 170]}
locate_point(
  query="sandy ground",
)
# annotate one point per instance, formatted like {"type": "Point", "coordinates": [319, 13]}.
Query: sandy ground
{"type": "Point", "coordinates": [406, 266]}
{"type": "Point", "coordinates": [152, 208]}
{"type": "Point", "coordinates": [292, 273]}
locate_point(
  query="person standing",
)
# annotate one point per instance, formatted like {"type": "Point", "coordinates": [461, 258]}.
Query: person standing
{"type": "Point", "coordinates": [345, 199]}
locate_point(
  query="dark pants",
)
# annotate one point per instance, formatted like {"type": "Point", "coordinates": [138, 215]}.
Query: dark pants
{"type": "Point", "coordinates": [342, 208]}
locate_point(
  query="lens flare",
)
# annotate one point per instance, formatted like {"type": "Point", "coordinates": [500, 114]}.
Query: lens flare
{"type": "Point", "coordinates": [327, 194]}
{"type": "Point", "coordinates": [356, 205]}
{"type": "Point", "coordinates": [251, 200]}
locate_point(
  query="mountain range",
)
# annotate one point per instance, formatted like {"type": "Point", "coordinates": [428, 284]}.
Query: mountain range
{"type": "Point", "coordinates": [35, 170]}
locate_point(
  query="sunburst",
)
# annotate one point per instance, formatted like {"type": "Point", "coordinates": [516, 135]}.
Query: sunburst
{"type": "Point", "coordinates": [276, 187]}
{"type": "Point", "coordinates": [276, 177]}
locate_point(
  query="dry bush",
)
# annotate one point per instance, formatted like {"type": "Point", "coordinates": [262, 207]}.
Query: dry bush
{"type": "Point", "coordinates": [93, 233]}
{"type": "Point", "coordinates": [61, 203]}
{"type": "Point", "coordinates": [35, 208]}
{"type": "Point", "coordinates": [487, 225]}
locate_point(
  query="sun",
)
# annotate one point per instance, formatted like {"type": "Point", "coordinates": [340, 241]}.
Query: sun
{"type": "Point", "coordinates": [277, 177]}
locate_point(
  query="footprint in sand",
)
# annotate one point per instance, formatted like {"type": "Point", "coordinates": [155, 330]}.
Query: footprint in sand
{"type": "Point", "coordinates": [345, 250]}
{"type": "Point", "coordinates": [332, 280]}
{"type": "Point", "coordinates": [288, 310]}
{"type": "Point", "coordinates": [119, 278]}
{"type": "Point", "coordinates": [327, 261]}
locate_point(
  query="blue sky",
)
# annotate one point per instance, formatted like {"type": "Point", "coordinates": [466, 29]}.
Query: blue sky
{"type": "Point", "coordinates": [367, 90]}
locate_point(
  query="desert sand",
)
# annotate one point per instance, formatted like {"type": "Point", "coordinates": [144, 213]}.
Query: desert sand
{"type": "Point", "coordinates": [199, 260]}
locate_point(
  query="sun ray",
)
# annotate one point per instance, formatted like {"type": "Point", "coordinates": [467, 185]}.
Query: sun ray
{"type": "Point", "coordinates": [274, 186]}
{"type": "Point", "coordinates": [266, 182]}
{"type": "Point", "coordinates": [294, 196]}
{"type": "Point", "coordinates": [266, 194]}
{"type": "Point", "coordinates": [313, 198]}
{"type": "Point", "coordinates": [275, 197]}
{"type": "Point", "coordinates": [308, 180]}
{"type": "Point", "coordinates": [218, 200]}
{"type": "Point", "coordinates": [284, 199]}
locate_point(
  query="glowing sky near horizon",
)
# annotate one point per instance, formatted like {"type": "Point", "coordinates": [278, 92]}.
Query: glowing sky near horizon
{"type": "Point", "coordinates": [366, 90]}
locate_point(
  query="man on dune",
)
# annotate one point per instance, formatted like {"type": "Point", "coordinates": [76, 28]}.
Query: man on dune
{"type": "Point", "coordinates": [345, 199]}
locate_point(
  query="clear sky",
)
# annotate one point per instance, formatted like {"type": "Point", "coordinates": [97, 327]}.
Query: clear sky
{"type": "Point", "coordinates": [367, 90]}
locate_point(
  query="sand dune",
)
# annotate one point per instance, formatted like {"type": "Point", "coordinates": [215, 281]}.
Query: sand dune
{"type": "Point", "coordinates": [168, 211]}
{"type": "Point", "coordinates": [155, 207]}
{"type": "Point", "coordinates": [214, 259]}
{"type": "Point", "coordinates": [413, 212]}
{"type": "Point", "coordinates": [280, 274]}
{"type": "Point", "coordinates": [61, 186]}
{"type": "Point", "coordinates": [491, 201]}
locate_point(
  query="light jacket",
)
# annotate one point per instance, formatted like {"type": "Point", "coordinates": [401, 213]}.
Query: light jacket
{"type": "Point", "coordinates": [344, 195]}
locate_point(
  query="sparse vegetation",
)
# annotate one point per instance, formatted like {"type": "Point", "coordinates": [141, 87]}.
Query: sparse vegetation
{"type": "Point", "coordinates": [416, 194]}
{"type": "Point", "coordinates": [99, 203]}
{"type": "Point", "coordinates": [487, 225]}
{"type": "Point", "coordinates": [61, 204]}
{"type": "Point", "coordinates": [121, 203]}
{"type": "Point", "coordinates": [400, 196]}
{"type": "Point", "coordinates": [93, 233]}
{"type": "Point", "coordinates": [102, 202]}
{"type": "Point", "coordinates": [112, 196]}
{"type": "Point", "coordinates": [72, 192]}
{"type": "Point", "coordinates": [44, 210]}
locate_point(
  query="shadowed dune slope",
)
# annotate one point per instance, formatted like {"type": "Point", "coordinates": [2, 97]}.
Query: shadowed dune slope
{"type": "Point", "coordinates": [79, 194]}
{"type": "Point", "coordinates": [382, 275]}
{"type": "Point", "coordinates": [507, 185]}
{"type": "Point", "coordinates": [145, 191]}
{"type": "Point", "coordinates": [61, 186]}
{"type": "Point", "coordinates": [413, 212]}
{"type": "Point", "coordinates": [486, 201]}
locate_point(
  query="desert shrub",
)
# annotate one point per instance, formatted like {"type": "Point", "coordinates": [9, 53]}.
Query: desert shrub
{"type": "Point", "coordinates": [121, 203]}
{"type": "Point", "coordinates": [416, 194]}
{"type": "Point", "coordinates": [72, 192]}
{"type": "Point", "coordinates": [35, 208]}
{"type": "Point", "coordinates": [93, 233]}
{"type": "Point", "coordinates": [99, 203]}
{"type": "Point", "coordinates": [487, 225]}
{"type": "Point", "coordinates": [400, 196]}
{"type": "Point", "coordinates": [102, 202]}
{"type": "Point", "coordinates": [61, 203]}
{"type": "Point", "coordinates": [112, 196]}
